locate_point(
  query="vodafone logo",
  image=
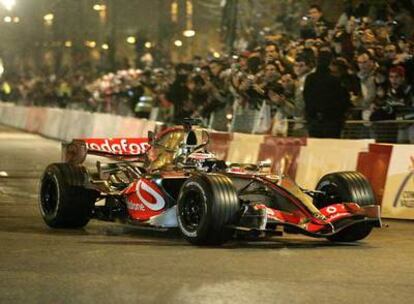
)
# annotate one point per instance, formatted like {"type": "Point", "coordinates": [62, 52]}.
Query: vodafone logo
{"type": "Point", "coordinates": [143, 187]}
{"type": "Point", "coordinates": [118, 146]}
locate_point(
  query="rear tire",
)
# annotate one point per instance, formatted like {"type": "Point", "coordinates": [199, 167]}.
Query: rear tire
{"type": "Point", "coordinates": [63, 200]}
{"type": "Point", "coordinates": [347, 187]}
{"type": "Point", "coordinates": [206, 206]}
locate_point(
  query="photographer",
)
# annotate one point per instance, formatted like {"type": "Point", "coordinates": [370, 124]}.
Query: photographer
{"type": "Point", "coordinates": [199, 95]}
{"type": "Point", "coordinates": [303, 66]}
{"type": "Point", "coordinates": [218, 95]}
{"type": "Point", "coordinates": [314, 25]}
{"type": "Point", "coordinates": [141, 94]}
{"type": "Point", "coordinates": [394, 102]}
{"type": "Point", "coordinates": [271, 73]}
{"type": "Point", "coordinates": [394, 57]}
{"type": "Point", "coordinates": [161, 86]}
{"type": "Point", "coordinates": [248, 90]}
{"type": "Point", "coordinates": [251, 87]}
{"type": "Point", "coordinates": [272, 54]}
{"type": "Point", "coordinates": [367, 72]}
{"type": "Point", "coordinates": [281, 109]}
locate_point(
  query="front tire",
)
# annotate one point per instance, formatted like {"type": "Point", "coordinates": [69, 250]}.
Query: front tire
{"type": "Point", "coordinates": [206, 206]}
{"type": "Point", "coordinates": [63, 201]}
{"type": "Point", "coordinates": [347, 187]}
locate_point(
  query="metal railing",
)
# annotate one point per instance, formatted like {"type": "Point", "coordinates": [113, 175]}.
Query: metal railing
{"type": "Point", "coordinates": [385, 131]}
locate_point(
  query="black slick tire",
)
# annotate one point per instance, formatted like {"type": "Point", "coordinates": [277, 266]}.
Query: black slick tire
{"type": "Point", "coordinates": [207, 205]}
{"type": "Point", "coordinates": [63, 200]}
{"type": "Point", "coordinates": [347, 187]}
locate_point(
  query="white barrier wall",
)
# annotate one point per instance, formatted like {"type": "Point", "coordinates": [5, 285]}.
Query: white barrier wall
{"type": "Point", "coordinates": [104, 125]}
{"type": "Point", "coordinates": [65, 124]}
{"type": "Point", "coordinates": [20, 117]}
{"type": "Point", "coordinates": [131, 127]}
{"type": "Point", "coordinates": [322, 156]}
{"type": "Point", "coordinates": [14, 116]}
{"type": "Point", "coordinates": [52, 126]}
{"type": "Point", "coordinates": [244, 148]}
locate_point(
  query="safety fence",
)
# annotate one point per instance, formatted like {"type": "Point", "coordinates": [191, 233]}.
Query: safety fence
{"type": "Point", "coordinates": [389, 167]}
{"type": "Point", "coordinates": [384, 131]}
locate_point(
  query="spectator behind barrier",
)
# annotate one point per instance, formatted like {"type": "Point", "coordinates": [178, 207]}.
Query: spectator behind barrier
{"type": "Point", "coordinates": [326, 100]}
{"type": "Point", "coordinates": [370, 47]}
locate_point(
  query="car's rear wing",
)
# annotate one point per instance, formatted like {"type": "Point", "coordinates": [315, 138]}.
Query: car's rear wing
{"type": "Point", "coordinates": [120, 148]}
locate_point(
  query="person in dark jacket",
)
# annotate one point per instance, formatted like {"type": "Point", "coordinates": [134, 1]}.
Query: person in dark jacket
{"type": "Point", "coordinates": [326, 100]}
{"type": "Point", "coordinates": [178, 93]}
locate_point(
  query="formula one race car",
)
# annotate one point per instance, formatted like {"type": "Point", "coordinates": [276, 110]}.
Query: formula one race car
{"type": "Point", "coordinates": [172, 180]}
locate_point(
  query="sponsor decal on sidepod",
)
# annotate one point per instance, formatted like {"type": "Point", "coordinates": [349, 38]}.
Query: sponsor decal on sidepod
{"type": "Point", "coordinates": [145, 200]}
{"type": "Point", "coordinates": [159, 200]}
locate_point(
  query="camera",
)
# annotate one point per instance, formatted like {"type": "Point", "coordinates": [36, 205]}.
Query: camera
{"type": "Point", "coordinates": [250, 77]}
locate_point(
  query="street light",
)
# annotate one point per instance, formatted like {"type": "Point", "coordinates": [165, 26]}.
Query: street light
{"type": "Point", "coordinates": [8, 19]}
{"type": "Point", "coordinates": [90, 43]}
{"type": "Point", "coordinates": [68, 43]}
{"type": "Point", "coordinates": [189, 33]}
{"type": "Point", "coordinates": [8, 4]}
{"type": "Point", "coordinates": [99, 7]}
{"type": "Point", "coordinates": [131, 40]}
{"type": "Point", "coordinates": [48, 18]}
{"type": "Point", "coordinates": [178, 43]}
{"type": "Point", "coordinates": [16, 19]}
{"type": "Point", "coordinates": [105, 46]}
{"type": "Point", "coordinates": [148, 45]}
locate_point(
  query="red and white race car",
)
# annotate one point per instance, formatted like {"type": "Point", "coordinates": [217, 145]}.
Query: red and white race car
{"type": "Point", "coordinates": [171, 180]}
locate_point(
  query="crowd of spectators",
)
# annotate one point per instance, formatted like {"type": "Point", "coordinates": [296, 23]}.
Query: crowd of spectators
{"type": "Point", "coordinates": [360, 68]}
{"type": "Point", "coordinates": [47, 89]}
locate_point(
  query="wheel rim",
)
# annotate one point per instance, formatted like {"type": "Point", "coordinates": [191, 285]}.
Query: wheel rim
{"type": "Point", "coordinates": [192, 210]}
{"type": "Point", "coordinates": [332, 194]}
{"type": "Point", "coordinates": [48, 195]}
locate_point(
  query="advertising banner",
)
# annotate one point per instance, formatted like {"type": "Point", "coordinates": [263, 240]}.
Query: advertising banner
{"type": "Point", "coordinates": [398, 200]}
{"type": "Point", "coordinates": [244, 148]}
{"type": "Point", "coordinates": [374, 166]}
{"type": "Point", "coordinates": [220, 143]}
{"type": "Point", "coordinates": [283, 153]}
{"type": "Point", "coordinates": [323, 156]}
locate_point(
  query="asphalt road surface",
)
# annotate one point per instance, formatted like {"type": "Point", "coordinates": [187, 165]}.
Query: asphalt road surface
{"type": "Point", "coordinates": [110, 263]}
